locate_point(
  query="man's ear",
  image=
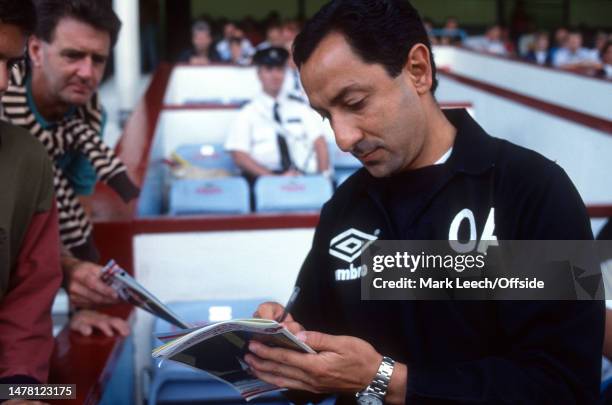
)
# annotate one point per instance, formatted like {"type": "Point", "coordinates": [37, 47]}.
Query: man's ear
{"type": "Point", "coordinates": [418, 68]}
{"type": "Point", "coordinates": [35, 49]}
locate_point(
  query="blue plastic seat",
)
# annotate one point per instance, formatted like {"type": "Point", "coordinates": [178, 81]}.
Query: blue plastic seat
{"type": "Point", "coordinates": [176, 383]}
{"type": "Point", "coordinates": [228, 195]}
{"type": "Point", "coordinates": [283, 194]}
{"type": "Point", "coordinates": [206, 156]}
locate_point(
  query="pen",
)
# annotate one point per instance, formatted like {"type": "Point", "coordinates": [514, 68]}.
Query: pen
{"type": "Point", "coordinates": [292, 298]}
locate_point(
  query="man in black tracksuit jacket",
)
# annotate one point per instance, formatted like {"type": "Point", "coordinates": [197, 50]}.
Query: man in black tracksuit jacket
{"type": "Point", "coordinates": [480, 352]}
{"type": "Point", "coordinates": [428, 175]}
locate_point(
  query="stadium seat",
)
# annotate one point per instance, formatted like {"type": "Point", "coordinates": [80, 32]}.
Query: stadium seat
{"type": "Point", "coordinates": [173, 383]}
{"type": "Point", "coordinates": [228, 195]}
{"type": "Point", "coordinates": [205, 156]}
{"type": "Point", "coordinates": [282, 194]}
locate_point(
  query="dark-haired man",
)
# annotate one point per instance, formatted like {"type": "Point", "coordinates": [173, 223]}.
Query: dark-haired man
{"type": "Point", "coordinates": [54, 97]}
{"type": "Point", "coordinates": [368, 68]}
{"type": "Point", "coordinates": [30, 273]}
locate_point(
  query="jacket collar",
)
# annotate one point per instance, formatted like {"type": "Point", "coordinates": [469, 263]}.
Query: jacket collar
{"type": "Point", "coordinates": [474, 150]}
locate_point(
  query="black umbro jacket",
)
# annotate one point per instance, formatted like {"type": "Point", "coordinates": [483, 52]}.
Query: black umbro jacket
{"type": "Point", "coordinates": [493, 352]}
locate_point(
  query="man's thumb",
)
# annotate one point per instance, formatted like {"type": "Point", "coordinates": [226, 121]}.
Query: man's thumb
{"type": "Point", "coordinates": [316, 340]}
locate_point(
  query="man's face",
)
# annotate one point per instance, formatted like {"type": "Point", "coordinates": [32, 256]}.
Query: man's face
{"type": "Point", "coordinates": [377, 118]}
{"type": "Point", "coordinates": [73, 63]}
{"type": "Point", "coordinates": [574, 42]}
{"type": "Point", "coordinates": [542, 43]}
{"type": "Point", "coordinates": [271, 78]}
{"type": "Point", "coordinates": [607, 56]}
{"type": "Point", "coordinates": [275, 36]}
{"type": "Point", "coordinates": [12, 45]}
{"type": "Point", "coordinates": [201, 40]}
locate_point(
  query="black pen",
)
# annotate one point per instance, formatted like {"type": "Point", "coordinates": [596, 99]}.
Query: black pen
{"type": "Point", "coordinates": [292, 298]}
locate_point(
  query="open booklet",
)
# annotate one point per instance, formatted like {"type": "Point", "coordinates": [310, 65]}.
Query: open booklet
{"type": "Point", "coordinates": [133, 292]}
{"type": "Point", "coordinates": [219, 349]}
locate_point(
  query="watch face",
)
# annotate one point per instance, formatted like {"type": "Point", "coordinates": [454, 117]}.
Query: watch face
{"type": "Point", "coordinates": [369, 400]}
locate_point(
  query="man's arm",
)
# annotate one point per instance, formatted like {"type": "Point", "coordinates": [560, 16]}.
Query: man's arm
{"type": "Point", "coordinates": [26, 341]}
{"type": "Point", "coordinates": [248, 165]}
{"type": "Point", "coordinates": [83, 284]}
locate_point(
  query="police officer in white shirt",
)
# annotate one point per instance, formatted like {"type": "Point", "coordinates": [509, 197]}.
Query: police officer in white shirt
{"type": "Point", "coordinates": [273, 134]}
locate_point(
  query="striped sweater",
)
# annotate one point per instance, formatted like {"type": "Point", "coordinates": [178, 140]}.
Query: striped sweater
{"type": "Point", "coordinates": [78, 132]}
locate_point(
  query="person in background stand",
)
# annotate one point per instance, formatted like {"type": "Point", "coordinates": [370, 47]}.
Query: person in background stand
{"type": "Point", "coordinates": [540, 53]}
{"type": "Point", "coordinates": [201, 52]}
{"type": "Point", "coordinates": [232, 32]}
{"type": "Point", "coordinates": [274, 37]}
{"type": "Point", "coordinates": [274, 135]}
{"type": "Point", "coordinates": [30, 273]}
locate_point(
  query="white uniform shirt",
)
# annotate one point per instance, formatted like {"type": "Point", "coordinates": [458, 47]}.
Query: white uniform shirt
{"type": "Point", "coordinates": [565, 57]}
{"type": "Point", "coordinates": [254, 132]}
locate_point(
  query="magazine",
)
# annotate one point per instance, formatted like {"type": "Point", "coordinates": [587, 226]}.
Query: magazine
{"type": "Point", "coordinates": [134, 293]}
{"type": "Point", "coordinates": [219, 349]}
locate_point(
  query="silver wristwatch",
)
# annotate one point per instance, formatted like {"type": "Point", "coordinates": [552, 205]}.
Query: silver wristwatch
{"type": "Point", "coordinates": [374, 394]}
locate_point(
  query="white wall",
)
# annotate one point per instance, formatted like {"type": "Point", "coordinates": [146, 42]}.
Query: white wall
{"type": "Point", "coordinates": [584, 94]}
{"type": "Point", "coordinates": [219, 84]}
{"type": "Point", "coordinates": [215, 265]}
{"type": "Point", "coordinates": [178, 127]}
{"type": "Point", "coordinates": [584, 153]}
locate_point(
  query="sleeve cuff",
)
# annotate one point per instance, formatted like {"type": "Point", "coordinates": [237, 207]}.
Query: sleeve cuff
{"type": "Point", "coordinates": [122, 184]}
{"type": "Point", "coordinates": [19, 379]}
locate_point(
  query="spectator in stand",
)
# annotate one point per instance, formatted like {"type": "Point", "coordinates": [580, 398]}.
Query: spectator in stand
{"type": "Point", "coordinates": [201, 52]}
{"type": "Point", "coordinates": [575, 57]}
{"type": "Point", "coordinates": [507, 41]}
{"type": "Point", "coordinates": [451, 33]}
{"type": "Point", "coordinates": [238, 55]}
{"type": "Point", "coordinates": [491, 42]}
{"type": "Point", "coordinates": [560, 38]}
{"type": "Point", "coordinates": [274, 37]}
{"type": "Point", "coordinates": [540, 52]}
{"type": "Point", "coordinates": [606, 60]}
{"type": "Point", "coordinates": [233, 32]}
{"type": "Point", "coordinates": [291, 28]}
{"type": "Point", "coordinates": [600, 41]}
{"type": "Point", "coordinates": [252, 30]}
{"type": "Point", "coordinates": [429, 26]}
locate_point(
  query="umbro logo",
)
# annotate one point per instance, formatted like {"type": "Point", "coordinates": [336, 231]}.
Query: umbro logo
{"type": "Point", "coordinates": [349, 244]}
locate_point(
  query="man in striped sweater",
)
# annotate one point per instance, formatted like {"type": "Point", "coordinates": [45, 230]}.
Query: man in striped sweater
{"type": "Point", "coordinates": [53, 95]}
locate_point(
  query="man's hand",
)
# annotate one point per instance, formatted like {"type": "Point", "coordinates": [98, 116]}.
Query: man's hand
{"type": "Point", "coordinates": [274, 310]}
{"type": "Point", "coordinates": [86, 321]}
{"type": "Point", "coordinates": [83, 284]}
{"type": "Point", "coordinates": [342, 364]}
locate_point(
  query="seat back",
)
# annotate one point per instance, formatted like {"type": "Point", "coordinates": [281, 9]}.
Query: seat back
{"type": "Point", "coordinates": [283, 194]}
{"type": "Point", "coordinates": [206, 156]}
{"type": "Point", "coordinates": [229, 195]}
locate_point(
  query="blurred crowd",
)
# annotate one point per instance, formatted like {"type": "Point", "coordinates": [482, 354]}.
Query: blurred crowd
{"type": "Point", "coordinates": [579, 50]}
{"type": "Point", "coordinates": [573, 49]}
{"type": "Point", "coordinates": [236, 42]}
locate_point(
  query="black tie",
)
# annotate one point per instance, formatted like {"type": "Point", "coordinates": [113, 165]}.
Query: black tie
{"type": "Point", "coordinates": [282, 143]}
